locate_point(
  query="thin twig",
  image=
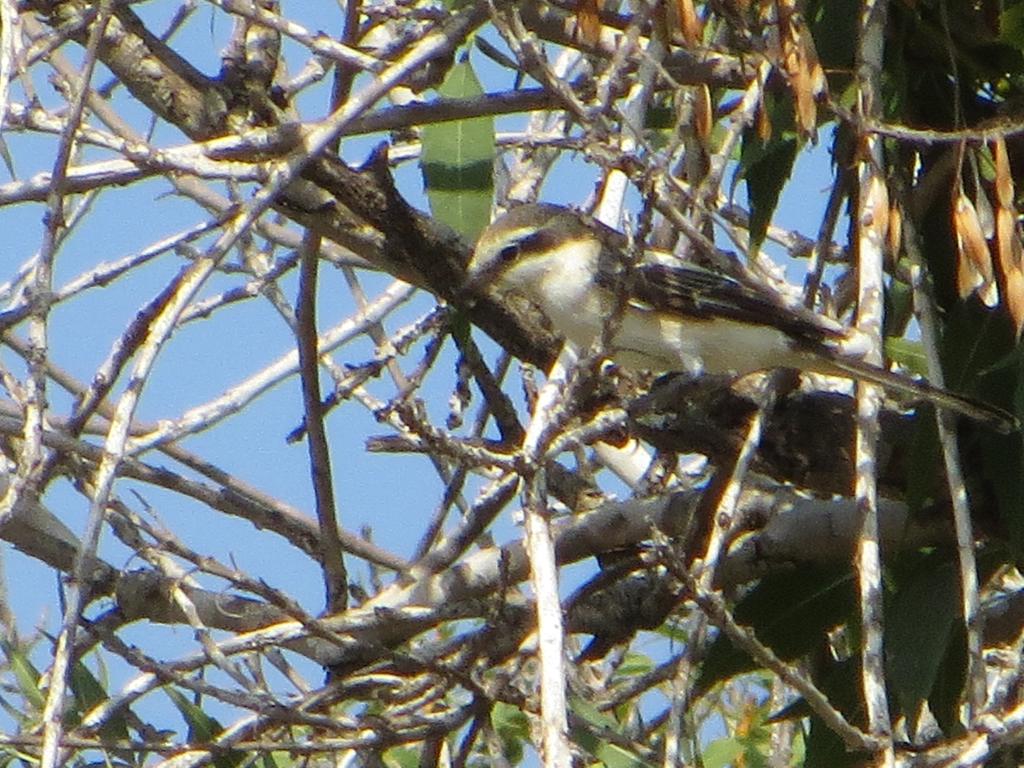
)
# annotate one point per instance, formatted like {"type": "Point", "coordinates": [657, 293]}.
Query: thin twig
{"type": "Point", "coordinates": [970, 600]}
{"type": "Point", "coordinates": [543, 568]}
{"type": "Point", "coordinates": [872, 213]}
{"type": "Point", "coordinates": [32, 461]}
{"type": "Point", "coordinates": [332, 559]}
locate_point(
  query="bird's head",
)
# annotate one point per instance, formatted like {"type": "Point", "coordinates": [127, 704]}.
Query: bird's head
{"type": "Point", "coordinates": [522, 247]}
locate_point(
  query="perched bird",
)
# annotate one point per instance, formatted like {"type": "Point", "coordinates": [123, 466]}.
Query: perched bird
{"type": "Point", "coordinates": [669, 316]}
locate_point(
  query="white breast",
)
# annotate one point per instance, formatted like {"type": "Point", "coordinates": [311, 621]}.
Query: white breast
{"type": "Point", "coordinates": [646, 340]}
{"type": "Point", "coordinates": [717, 346]}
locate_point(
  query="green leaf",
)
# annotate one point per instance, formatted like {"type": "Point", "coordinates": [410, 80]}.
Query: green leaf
{"type": "Point", "coordinates": [674, 632]}
{"type": "Point", "coordinates": [1006, 467]}
{"type": "Point", "coordinates": [592, 714]}
{"type": "Point", "coordinates": [826, 750]}
{"type": "Point", "coordinates": [402, 757]}
{"type": "Point", "coordinates": [203, 728]}
{"type": "Point", "coordinates": [840, 681]}
{"type": "Point", "coordinates": [789, 613]}
{"type": "Point", "coordinates": [1011, 26]}
{"type": "Point", "coordinates": [766, 166]}
{"type": "Point", "coordinates": [614, 756]}
{"type": "Point", "coordinates": [89, 693]}
{"type": "Point", "coordinates": [979, 357]}
{"type": "Point", "coordinates": [834, 25]}
{"type": "Point", "coordinates": [458, 160]}
{"type": "Point", "coordinates": [513, 730]}
{"type": "Point", "coordinates": [923, 456]}
{"type": "Point", "coordinates": [919, 619]}
{"type": "Point", "coordinates": [88, 690]}
{"type": "Point", "coordinates": [26, 675]}
{"type": "Point", "coordinates": [722, 752]}
{"type": "Point", "coordinates": [947, 695]}
{"type": "Point", "coordinates": [634, 665]}
{"type": "Point", "coordinates": [607, 753]}
{"type": "Point", "coordinates": [909, 354]}
{"type": "Point", "coordinates": [899, 309]}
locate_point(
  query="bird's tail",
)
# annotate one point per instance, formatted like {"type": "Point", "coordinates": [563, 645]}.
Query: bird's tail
{"type": "Point", "coordinates": [981, 412]}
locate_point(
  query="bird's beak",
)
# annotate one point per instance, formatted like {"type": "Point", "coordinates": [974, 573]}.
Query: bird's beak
{"type": "Point", "coordinates": [478, 280]}
{"type": "Point", "coordinates": [474, 286]}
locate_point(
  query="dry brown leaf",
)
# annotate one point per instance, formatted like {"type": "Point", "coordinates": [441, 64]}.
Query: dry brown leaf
{"type": "Point", "coordinates": [876, 201]}
{"type": "Point", "coordinates": [703, 114]}
{"type": "Point", "coordinates": [1011, 271]}
{"type": "Point", "coordinates": [684, 22]}
{"type": "Point", "coordinates": [986, 215]}
{"type": "Point", "coordinates": [588, 22]}
{"type": "Point", "coordinates": [1007, 239]}
{"type": "Point", "coordinates": [1004, 181]}
{"type": "Point", "coordinates": [1013, 298]}
{"type": "Point", "coordinates": [763, 123]}
{"type": "Point", "coordinates": [800, 61]}
{"type": "Point", "coordinates": [1006, 235]}
{"type": "Point", "coordinates": [968, 278]}
{"type": "Point", "coordinates": [974, 262]}
{"type": "Point", "coordinates": [895, 231]}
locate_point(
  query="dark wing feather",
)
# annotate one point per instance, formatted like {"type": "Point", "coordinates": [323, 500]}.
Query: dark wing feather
{"type": "Point", "coordinates": [699, 293]}
{"type": "Point", "coordinates": [702, 294]}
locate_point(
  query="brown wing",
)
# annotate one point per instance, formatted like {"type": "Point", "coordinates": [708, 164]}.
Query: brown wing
{"type": "Point", "coordinates": [700, 293]}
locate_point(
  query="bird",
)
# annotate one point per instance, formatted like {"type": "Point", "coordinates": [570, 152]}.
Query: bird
{"type": "Point", "coordinates": [665, 315]}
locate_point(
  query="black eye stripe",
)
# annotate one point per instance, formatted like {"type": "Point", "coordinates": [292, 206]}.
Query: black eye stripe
{"type": "Point", "coordinates": [526, 244]}
{"type": "Point", "coordinates": [538, 242]}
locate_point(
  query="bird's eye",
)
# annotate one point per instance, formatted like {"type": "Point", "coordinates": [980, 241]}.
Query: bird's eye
{"type": "Point", "coordinates": [508, 253]}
